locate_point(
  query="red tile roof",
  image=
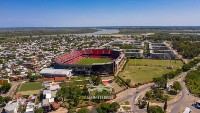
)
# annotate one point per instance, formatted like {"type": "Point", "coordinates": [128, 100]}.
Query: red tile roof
{"type": "Point", "coordinates": [59, 79]}
{"type": "Point", "coordinates": [48, 79]}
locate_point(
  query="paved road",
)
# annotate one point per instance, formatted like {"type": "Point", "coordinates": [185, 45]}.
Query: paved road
{"type": "Point", "coordinates": [186, 98]}
{"type": "Point", "coordinates": [131, 94]}
{"type": "Point", "coordinates": [183, 98]}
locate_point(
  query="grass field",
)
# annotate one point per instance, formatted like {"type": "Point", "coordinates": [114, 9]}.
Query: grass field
{"type": "Point", "coordinates": [30, 88]}
{"type": "Point", "coordinates": [90, 61]}
{"type": "Point", "coordinates": [143, 70]}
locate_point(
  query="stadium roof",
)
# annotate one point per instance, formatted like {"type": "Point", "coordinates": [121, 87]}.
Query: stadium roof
{"type": "Point", "coordinates": [54, 72]}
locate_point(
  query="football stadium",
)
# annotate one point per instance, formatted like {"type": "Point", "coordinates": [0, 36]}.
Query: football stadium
{"type": "Point", "coordinates": [91, 61]}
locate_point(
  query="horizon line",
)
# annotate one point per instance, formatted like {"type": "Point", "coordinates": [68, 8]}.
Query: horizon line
{"type": "Point", "coordinates": [103, 26]}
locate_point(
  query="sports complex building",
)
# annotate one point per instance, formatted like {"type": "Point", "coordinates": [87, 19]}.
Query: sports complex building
{"type": "Point", "coordinates": [134, 53]}
{"type": "Point", "coordinates": [161, 51]}
{"type": "Point", "coordinates": [91, 61]}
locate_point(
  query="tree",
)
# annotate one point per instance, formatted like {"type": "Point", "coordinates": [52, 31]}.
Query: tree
{"type": "Point", "coordinates": [1, 61]}
{"type": "Point", "coordinates": [103, 108]}
{"type": "Point", "coordinates": [148, 95]}
{"type": "Point", "coordinates": [5, 87]}
{"type": "Point", "coordinates": [176, 86]}
{"type": "Point", "coordinates": [155, 109]}
{"type": "Point", "coordinates": [39, 110]}
{"type": "Point", "coordinates": [107, 107]}
{"type": "Point", "coordinates": [17, 72]}
{"type": "Point", "coordinates": [83, 110]}
{"type": "Point", "coordinates": [160, 81]}
{"type": "Point", "coordinates": [1, 100]}
{"type": "Point", "coordinates": [85, 91]}
{"type": "Point", "coordinates": [62, 92]}
{"type": "Point", "coordinates": [7, 99]}
{"type": "Point", "coordinates": [29, 73]}
{"type": "Point", "coordinates": [98, 81]}
{"type": "Point", "coordinates": [33, 78]}
{"type": "Point", "coordinates": [165, 105]}
{"type": "Point", "coordinates": [114, 107]}
{"type": "Point", "coordinates": [128, 82]}
{"type": "Point", "coordinates": [73, 94]}
{"type": "Point", "coordinates": [144, 103]}
{"type": "Point", "coordinates": [147, 107]}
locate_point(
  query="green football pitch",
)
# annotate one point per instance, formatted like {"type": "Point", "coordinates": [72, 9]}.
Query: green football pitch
{"type": "Point", "coordinates": [90, 61]}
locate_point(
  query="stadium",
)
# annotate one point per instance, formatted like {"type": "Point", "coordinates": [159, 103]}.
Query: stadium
{"type": "Point", "coordinates": [91, 61]}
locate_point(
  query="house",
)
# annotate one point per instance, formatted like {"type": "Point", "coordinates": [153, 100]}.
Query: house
{"type": "Point", "coordinates": [47, 104]}
{"type": "Point", "coordinates": [2, 81]}
{"type": "Point", "coordinates": [54, 86]}
{"type": "Point", "coordinates": [48, 80]}
{"type": "Point", "coordinates": [32, 98]}
{"type": "Point", "coordinates": [55, 106]}
{"type": "Point", "coordinates": [54, 79]}
{"type": "Point", "coordinates": [18, 97]}
{"type": "Point", "coordinates": [30, 107]}
{"type": "Point", "coordinates": [59, 79]}
{"type": "Point", "coordinates": [47, 94]}
{"type": "Point", "coordinates": [11, 107]}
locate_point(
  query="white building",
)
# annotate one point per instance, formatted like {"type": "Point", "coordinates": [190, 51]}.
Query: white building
{"type": "Point", "coordinates": [11, 107]}
{"type": "Point", "coordinates": [134, 53]}
{"type": "Point", "coordinates": [51, 72]}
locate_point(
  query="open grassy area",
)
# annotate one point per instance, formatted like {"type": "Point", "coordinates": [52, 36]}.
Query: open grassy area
{"type": "Point", "coordinates": [90, 61]}
{"type": "Point", "coordinates": [30, 88]}
{"type": "Point", "coordinates": [143, 70]}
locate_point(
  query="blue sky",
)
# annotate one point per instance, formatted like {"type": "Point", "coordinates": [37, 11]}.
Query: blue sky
{"type": "Point", "coordinates": [81, 13]}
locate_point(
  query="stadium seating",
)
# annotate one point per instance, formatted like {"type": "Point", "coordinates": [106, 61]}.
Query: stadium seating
{"type": "Point", "coordinates": [95, 56]}
{"type": "Point", "coordinates": [74, 56]}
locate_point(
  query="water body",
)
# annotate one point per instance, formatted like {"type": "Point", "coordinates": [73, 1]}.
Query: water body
{"type": "Point", "coordinates": [99, 32]}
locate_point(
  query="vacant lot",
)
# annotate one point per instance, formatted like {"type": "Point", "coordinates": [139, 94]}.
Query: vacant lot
{"type": "Point", "coordinates": [30, 88]}
{"type": "Point", "coordinates": [143, 70]}
{"type": "Point", "coordinates": [90, 61]}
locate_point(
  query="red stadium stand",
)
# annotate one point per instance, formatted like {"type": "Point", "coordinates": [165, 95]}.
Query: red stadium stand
{"type": "Point", "coordinates": [95, 56]}
{"type": "Point", "coordinates": [74, 56]}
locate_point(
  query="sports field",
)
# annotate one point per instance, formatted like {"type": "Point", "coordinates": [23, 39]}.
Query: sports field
{"type": "Point", "coordinates": [143, 70]}
{"type": "Point", "coordinates": [90, 61]}
{"type": "Point", "coordinates": [30, 88]}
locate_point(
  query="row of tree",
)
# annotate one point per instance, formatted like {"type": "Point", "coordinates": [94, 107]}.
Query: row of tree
{"type": "Point", "coordinates": [192, 81]}
{"type": "Point", "coordinates": [190, 65]}
{"type": "Point", "coordinates": [173, 37]}
{"type": "Point", "coordinates": [187, 49]}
